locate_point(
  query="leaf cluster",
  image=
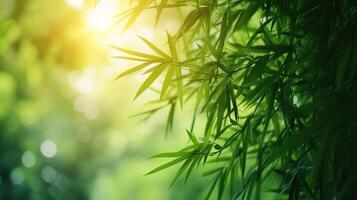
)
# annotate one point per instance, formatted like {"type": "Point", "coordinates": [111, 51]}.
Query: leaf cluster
{"type": "Point", "coordinates": [276, 81]}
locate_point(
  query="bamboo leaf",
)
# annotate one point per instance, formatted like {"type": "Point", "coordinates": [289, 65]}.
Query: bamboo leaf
{"type": "Point", "coordinates": [181, 170]}
{"type": "Point", "coordinates": [192, 137]}
{"type": "Point", "coordinates": [171, 154]}
{"type": "Point", "coordinates": [169, 164]}
{"type": "Point", "coordinates": [160, 7]}
{"type": "Point", "coordinates": [154, 48]}
{"type": "Point", "coordinates": [191, 19]}
{"type": "Point", "coordinates": [167, 81]}
{"type": "Point", "coordinates": [172, 46]}
{"type": "Point", "coordinates": [136, 12]}
{"type": "Point", "coordinates": [179, 85]}
{"type": "Point", "coordinates": [220, 113]}
{"type": "Point", "coordinates": [170, 118]}
{"type": "Point", "coordinates": [223, 31]}
{"type": "Point", "coordinates": [212, 187]}
{"type": "Point", "coordinates": [133, 69]}
{"type": "Point", "coordinates": [138, 54]}
{"type": "Point", "coordinates": [153, 76]}
{"type": "Point", "coordinates": [246, 16]}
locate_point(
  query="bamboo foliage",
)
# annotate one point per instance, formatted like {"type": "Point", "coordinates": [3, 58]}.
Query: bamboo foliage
{"type": "Point", "coordinates": [277, 82]}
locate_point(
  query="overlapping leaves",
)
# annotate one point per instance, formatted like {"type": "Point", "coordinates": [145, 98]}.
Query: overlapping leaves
{"type": "Point", "coordinates": [258, 72]}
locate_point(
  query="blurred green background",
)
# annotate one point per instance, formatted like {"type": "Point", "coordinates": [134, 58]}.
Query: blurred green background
{"type": "Point", "coordinates": [66, 130]}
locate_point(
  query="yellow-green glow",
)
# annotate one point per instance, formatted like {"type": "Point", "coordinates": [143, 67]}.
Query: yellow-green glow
{"type": "Point", "coordinates": [101, 18]}
{"type": "Point", "coordinates": [73, 121]}
{"type": "Point", "coordinates": [75, 3]}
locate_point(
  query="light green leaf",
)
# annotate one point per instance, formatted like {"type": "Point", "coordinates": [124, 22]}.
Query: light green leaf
{"type": "Point", "coordinates": [167, 81]}
{"type": "Point", "coordinates": [138, 54]}
{"type": "Point", "coordinates": [170, 118]}
{"type": "Point", "coordinates": [179, 85]}
{"type": "Point", "coordinates": [181, 170]}
{"type": "Point", "coordinates": [169, 164]}
{"type": "Point", "coordinates": [192, 137]}
{"type": "Point", "coordinates": [160, 7]}
{"type": "Point", "coordinates": [171, 154]}
{"type": "Point", "coordinates": [172, 47]}
{"type": "Point", "coordinates": [154, 48]}
{"type": "Point", "coordinates": [133, 69]}
{"type": "Point", "coordinates": [153, 76]}
{"type": "Point", "coordinates": [136, 12]}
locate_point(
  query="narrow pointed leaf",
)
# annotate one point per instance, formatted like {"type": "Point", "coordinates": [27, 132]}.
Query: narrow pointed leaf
{"type": "Point", "coordinates": [192, 137]}
{"type": "Point", "coordinates": [172, 47]}
{"type": "Point", "coordinates": [160, 7]}
{"type": "Point", "coordinates": [167, 81]}
{"type": "Point", "coordinates": [136, 12]}
{"type": "Point", "coordinates": [153, 76]}
{"type": "Point", "coordinates": [169, 164]}
{"type": "Point", "coordinates": [138, 54]}
{"type": "Point", "coordinates": [179, 85]}
{"type": "Point", "coordinates": [133, 69]}
{"type": "Point", "coordinates": [154, 48]}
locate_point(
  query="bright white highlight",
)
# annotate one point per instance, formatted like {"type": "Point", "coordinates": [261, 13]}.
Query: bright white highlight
{"type": "Point", "coordinates": [101, 18]}
{"type": "Point", "coordinates": [75, 3]}
{"type": "Point", "coordinates": [48, 148]}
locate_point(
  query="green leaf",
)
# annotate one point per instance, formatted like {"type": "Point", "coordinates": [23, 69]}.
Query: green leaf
{"type": "Point", "coordinates": [138, 54]}
{"type": "Point", "coordinates": [167, 81]}
{"type": "Point", "coordinates": [136, 12]}
{"type": "Point", "coordinates": [169, 164]}
{"type": "Point", "coordinates": [153, 76]}
{"type": "Point", "coordinates": [245, 142]}
{"type": "Point", "coordinates": [212, 171]}
{"type": "Point", "coordinates": [170, 118]}
{"type": "Point", "coordinates": [133, 69]}
{"type": "Point", "coordinates": [172, 47]}
{"type": "Point", "coordinates": [192, 166]}
{"type": "Point", "coordinates": [209, 124]}
{"type": "Point", "coordinates": [155, 68]}
{"type": "Point", "coordinates": [171, 154]}
{"type": "Point", "coordinates": [246, 16]}
{"type": "Point", "coordinates": [212, 187]}
{"type": "Point", "coordinates": [258, 31]}
{"type": "Point", "coordinates": [221, 184]}
{"type": "Point", "coordinates": [179, 85]}
{"type": "Point", "coordinates": [192, 137]}
{"type": "Point", "coordinates": [220, 113]}
{"type": "Point", "coordinates": [161, 6]}
{"type": "Point", "coordinates": [181, 170]}
{"type": "Point", "coordinates": [154, 48]}
{"type": "Point", "coordinates": [131, 58]}
{"type": "Point", "coordinates": [191, 19]}
{"type": "Point", "coordinates": [223, 31]}
{"type": "Point", "coordinates": [234, 101]}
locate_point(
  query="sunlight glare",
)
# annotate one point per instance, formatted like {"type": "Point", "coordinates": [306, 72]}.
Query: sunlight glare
{"type": "Point", "coordinates": [75, 3]}
{"type": "Point", "coordinates": [101, 17]}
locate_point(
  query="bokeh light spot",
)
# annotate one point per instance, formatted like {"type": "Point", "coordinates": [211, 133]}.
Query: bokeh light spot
{"type": "Point", "coordinates": [48, 174]}
{"type": "Point", "coordinates": [17, 177]}
{"type": "Point", "coordinates": [28, 159]}
{"type": "Point", "coordinates": [91, 112]}
{"type": "Point", "coordinates": [48, 148]}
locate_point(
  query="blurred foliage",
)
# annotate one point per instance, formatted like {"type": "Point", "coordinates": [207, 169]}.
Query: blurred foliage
{"type": "Point", "coordinates": [276, 83]}
{"type": "Point", "coordinates": [64, 126]}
